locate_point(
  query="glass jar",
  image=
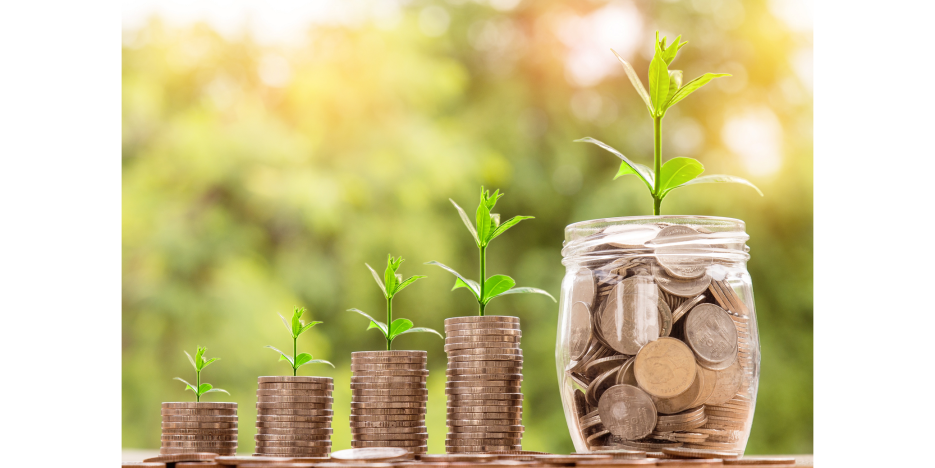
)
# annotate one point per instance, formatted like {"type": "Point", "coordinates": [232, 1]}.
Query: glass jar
{"type": "Point", "coordinates": [657, 341]}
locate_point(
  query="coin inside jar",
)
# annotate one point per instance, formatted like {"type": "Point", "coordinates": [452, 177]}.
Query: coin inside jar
{"type": "Point", "coordinates": [712, 335]}
{"type": "Point", "coordinates": [665, 368]}
{"type": "Point", "coordinates": [580, 331]}
{"type": "Point", "coordinates": [728, 383]}
{"type": "Point", "coordinates": [684, 400]}
{"type": "Point", "coordinates": [627, 412]}
{"type": "Point", "coordinates": [630, 315]}
{"type": "Point", "coordinates": [680, 287]}
{"type": "Point", "coordinates": [584, 289]}
{"type": "Point", "coordinates": [678, 259]}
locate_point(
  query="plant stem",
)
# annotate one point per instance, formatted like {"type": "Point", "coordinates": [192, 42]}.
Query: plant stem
{"type": "Point", "coordinates": [483, 277]}
{"type": "Point", "coordinates": [295, 370]}
{"type": "Point", "coordinates": [197, 386]}
{"type": "Point", "coordinates": [389, 322]}
{"type": "Point", "coordinates": [657, 163]}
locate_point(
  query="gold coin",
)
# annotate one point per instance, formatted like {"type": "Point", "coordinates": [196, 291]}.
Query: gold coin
{"type": "Point", "coordinates": [684, 400]}
{"type": "Point", "coordinates": [665, 368]}
{"type": "Point", "coordinates": [484, 332]}
{"type": "Point", "coordinates": [683, 452]}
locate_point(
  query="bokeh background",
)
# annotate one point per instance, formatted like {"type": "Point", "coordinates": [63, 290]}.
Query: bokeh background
{"type": "Point", "coordinates": [269, 151]}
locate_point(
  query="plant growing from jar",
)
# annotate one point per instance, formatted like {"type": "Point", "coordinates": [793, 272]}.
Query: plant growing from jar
{"type": "Point", "coordinates": [391, 284]}
{"type": "Point", "coordinates": [296, 327]}
{"type": "Point", "coordinates": [487, 229]}
{"type": "Point", "coordinates": [199, 363]}
{"type": "Point", "coordinates": [665, 90]}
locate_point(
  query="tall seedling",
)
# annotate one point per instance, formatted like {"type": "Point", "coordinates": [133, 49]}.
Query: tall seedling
{"type": "Point", "coordinates": [391, 285]}
{"type": "Point", "coordinates": [297, 327]}
{"type": "Point", "coordinates": [666, 90]}
{"type": "Point", "coordinates": [199, 363]}
{"type": "Point", "coordinates": [487, 229]}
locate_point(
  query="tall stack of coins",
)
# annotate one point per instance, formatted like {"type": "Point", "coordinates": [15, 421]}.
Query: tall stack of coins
{"type": "Point", "coordinates": [485, 373]}
{"type": "Point", "coordinates": [662, 350]}
{"type": "Point", "coordinates": [388, 399]}
{"type": "Point", "coordinates": [293, 416]}
{"type": "Point", "coordinates": [189, 427]}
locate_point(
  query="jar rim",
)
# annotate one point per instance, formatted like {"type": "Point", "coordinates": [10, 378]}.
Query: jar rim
{"type": "Point", "coordinates": [705, 220]}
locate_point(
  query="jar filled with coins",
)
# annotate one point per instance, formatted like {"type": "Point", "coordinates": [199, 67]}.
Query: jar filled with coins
{"type": "Point", "coordinates": [657, 341]}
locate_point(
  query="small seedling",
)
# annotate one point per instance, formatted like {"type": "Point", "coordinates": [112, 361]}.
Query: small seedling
{"type": "Point", "coordinates": [391, 285]}
{"type": "Point", "coordinates": [488, 228]}
{"type": "Point", "coordinates": [296, 328]}
{"type": "Point", "coordinates": [199, 363]}
{"type": "Point", "coordinates": [666, 90]}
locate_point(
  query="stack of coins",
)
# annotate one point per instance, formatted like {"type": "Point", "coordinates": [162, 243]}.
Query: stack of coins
{"type": "Point", "coordinates": [663, 349]}
{"type": "Point", "coordinates": [485, 372]}
{"type": "Point", "coordinates": [388, 400]}
{"type": "Point", "coordinates": [189, 427]}
{"type": "Point", "coordinates": [294, 416]}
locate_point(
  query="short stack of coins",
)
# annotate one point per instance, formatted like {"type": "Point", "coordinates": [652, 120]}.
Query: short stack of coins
{"type": "Point", "coordinates": [388, 400]}
{"type": "Point", "coordinates": [294, 416]}
{"type": "Point", "coordinates": [663, 348]}
{"type": "Point", "coordinates": [189, 427]}
{"type": "Point", "coordinates": [484, 378]}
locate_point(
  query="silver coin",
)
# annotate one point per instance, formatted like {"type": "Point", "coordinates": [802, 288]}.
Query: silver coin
{"type": "Point", "coordinates": [580, 330]}
{"type": "Point", "coordinates": [583, 288]}
{"type": "Point", "coordinates": [679, 259]}
{"type": "Point", "coordinates": [711, 334]}
{"type": "Point", "coordinates": [680, 287]}
{"type": "Point", "coordinates": [627, 412]}
{"type": "Point", "coordinates": [629, 318]}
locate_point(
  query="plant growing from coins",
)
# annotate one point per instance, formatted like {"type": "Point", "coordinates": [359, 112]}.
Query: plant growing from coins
{"type": "Point", "coordinates": [199, 363]}
{"type": "Point", "coordinates": [666, 90]}
{"type": "Point", "coordinates": [391, 285]}
{"type": "Point", "coordinates": [297, 327]}
{"type": "Point", "coordinates": [487, 229]}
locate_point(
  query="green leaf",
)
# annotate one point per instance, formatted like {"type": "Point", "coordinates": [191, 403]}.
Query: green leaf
{"type": "Point", "coordinates": [389, 275]}
{"type": "Point", "coordinates": [467, 221]}
{"type": "Point", "coordinates": [296, 323]}
{"type": "Point", "coordinates": [494, 221]}
{"type": "Point", "coordinates": [677, 171]}
{"type": "Point", "coordinates": [374, 323]}
{"type": "Point", "coordinates": [410, 280]}
{"type": "Point", "coordinates": [635, 81]}
{"type": "Point", "coordinates": [307, 326]}
{"type": "Point", "coordinates": [188, 386]}
{"type": "Point", "coordinates": [483, 221]}
{"type": "Point", "coordinates": [282, 356]}
{"type": "Point", "coordinates": [643, 172]}
{"type": "Point", "coordinates": [190, 360]}
{"type": "Point", "coordinates": [675, 82]}
{"type": "Point", "coordinates": [465, 283]}
{"type": "Point", "coordinates": [398, 326]}
{"type": "Point", "coordinates": [284, 322]}
{"type": "Point", "coordinates": [217, 390]}
{"type": "Point", "coordinates": [200, 357]}
{"type": "Point", "coordinates": [317, 361]}
{"type": "Point", "coordinates": [527, 290]}
{"type": "Point", "coordinates": [510, 223]}
{"type": "Point", "coordinates": [204, 388]}
{"type": "Point", "coordinates": [209, 361]}
{"type": "Point", "coordinates": [421, 330]}
{"type": "Point", "coordinates": [376, 278]}
{"type": "Point", "coordinates": [693, 85]}
{"type": "Point", "coordinates": [672, 50]}
{"type": "Point", "coordinates": [721, 179]}
{"type": "Point", "coordinates": [658, 82]}
{"type": "Point", "coordinates": [302, 358]}
{"type": "Point", "coordinates": [497, 285]}
{"type": "Point", "coordinates": [490, 200]}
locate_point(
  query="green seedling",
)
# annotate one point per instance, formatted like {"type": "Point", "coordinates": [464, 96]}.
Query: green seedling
{"type": "Point", "coordinates": [487, 229]}
{"type": "Point", "coordinates": [666, 90]}
{"type": "Point", "coordinates": [199, 363]}
{"type": "Point", "coordinates": [391, 284]}
{"type": "Point", "coordinates": [296, 328]}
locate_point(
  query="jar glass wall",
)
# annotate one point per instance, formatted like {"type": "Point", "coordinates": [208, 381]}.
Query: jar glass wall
{"type": "Point", "coordinates": [657, 340]}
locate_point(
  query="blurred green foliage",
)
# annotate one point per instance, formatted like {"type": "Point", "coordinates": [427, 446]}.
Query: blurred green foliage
{"type": "Point", "coordinates": [245, 194]}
